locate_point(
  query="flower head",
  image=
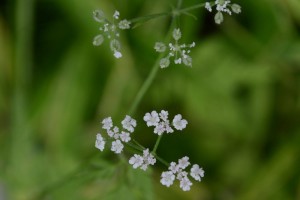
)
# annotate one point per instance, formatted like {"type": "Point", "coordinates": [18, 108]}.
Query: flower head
{"type": "Point", "coordinates": [100, 143]}
{"type": "Point", "coordinates": [107, 123]}
{"type": "Point", "coordinates": [222, 6]}
{"type": "Point", "coordinates": [110, 30]}
{"type": "Point", "coordinates": [196, 172]}
{"type": "Point", "coordinates": [129, 124]}
{"type": "Point", "coordinates": [179, 123]}
{"type": "Point", "coordinates": [167, 178]}
{"type": "Point", "coordinates": [142, 161]}
{"type": "Point", "coordinates": [177, 170]}
{"type": "Point", "coordinates": [161, 122]}
{"type": "Point", "coordinates": [180, 52]}
{"type": "Point", "coordinates": [117, 146]}
{"type": "Point", "coordinates": [118, 136]}
{"type": "Point", "coordinates": [152, 118]}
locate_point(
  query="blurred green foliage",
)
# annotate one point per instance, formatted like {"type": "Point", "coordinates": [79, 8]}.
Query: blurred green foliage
{"type": "Point", "coordinates": [241, 98]}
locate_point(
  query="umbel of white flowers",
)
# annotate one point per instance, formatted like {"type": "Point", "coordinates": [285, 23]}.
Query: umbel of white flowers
{"type": "Point", "coordinates": [162, 125]}
{"type": "Point", "coordinates": [110, 30]}
{"type": "Point", "coordinates": [223, 6]}
{"type": "Point", "coordinates": [179, 51]}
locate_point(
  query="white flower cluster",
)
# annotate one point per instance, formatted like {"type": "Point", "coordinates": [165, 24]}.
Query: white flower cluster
{"type": "Point", "coordinates": [177, 171]}
{"type": "Point", "coordinates": [179, 51]}
{"type": "Point", "coordinates": [114, 133]}
{"type": "Point", "coordinates": [110, 30]}
{"type": "Point", "coordinates": [142, 161]}
{"type": "Point", "coordinates": [162, 124]}
{"type": "Point", "coordinates": [221, 6]}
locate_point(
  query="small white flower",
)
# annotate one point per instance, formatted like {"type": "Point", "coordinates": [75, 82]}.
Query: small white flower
{"type": "Point", "coordinates": [219, 18]}
{"type": "Point", "coordinates": [222, 6]}
{"type": "Point", "coordinates": [160, 47]}
{"type": "Point", "coordinates": [185, 184]}
{"type": "Point", "coordinates": [183, 162]}
{"type": "Point", "coordinates": [98, 40]}
{"type": "Point", "coordinates": [176, 34]}
{"type": "Point", "coordinates": [208, 6]}
{"type": "Point", "coordinates": [151, 119]}
{"type": "Point", "coordinates": [125, 137]}
{"type": "Point", "coordinates": [173, 167]}
{"type": "Point", "coordinates": [181, 174]}
{"type": "Point", "coordinates": [98, 16]}
{"type": "Point", "coordinates": [136, 161]}
{"type": "Point", "coordinates": [116, 14]}
{"type": "Point", "coordinates": [159, 129]}
{"type": "Point", "coordinates": [164, 115]}
{"type": "Point", "coordinates": [100, 143]}
{"type": "Point", "coordinates": [236, 8]}
{"type": "Point", "coordinates": [149, 159]}
{"type": "Point", "coordinates": [124, 24]}
{"type": "Point", "coordinates": [167, 178]}
{"type": "Point", "coordinates": [164, 62]}
{"type": "Point", "coordinates": [179, 123]}
{"type": "Point", "coordinates": [117, 146]}
{"type": "Point", "coordinates": [129, 123]}
{"type": "Point", "coordinates": [107, 123]}
{"type": "Point", "coordinates": [117, 54]}
{"type": "Point", "coordinates": [196, 172]}
{"type": "Point", "coordinates": [178, 61]}
{"type": "Point", "coordinates": [142, 161]}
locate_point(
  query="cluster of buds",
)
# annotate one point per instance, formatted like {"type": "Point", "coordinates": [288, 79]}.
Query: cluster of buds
{"type": "Point", "coordinates": [110, 30]}
{"type": "Point", "coordinates": [180, 52]}
{"type": "Point", "coordinates": [223, 6]}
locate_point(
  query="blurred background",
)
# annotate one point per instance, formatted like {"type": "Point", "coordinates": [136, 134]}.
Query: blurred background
{"type": "Point", "coordinates": [241, 99]}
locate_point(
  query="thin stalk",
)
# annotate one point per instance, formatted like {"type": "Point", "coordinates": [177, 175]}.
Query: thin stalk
{"type": "Point", "coordinates": [157, 143]}
{"type": "Point", "coordinates": [145, 86]}
{"type": "Point", "coordinates": [191, 8]}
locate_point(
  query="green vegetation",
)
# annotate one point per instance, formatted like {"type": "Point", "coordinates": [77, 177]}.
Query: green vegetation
{"type": "Point", "coordinates": [241, 98]}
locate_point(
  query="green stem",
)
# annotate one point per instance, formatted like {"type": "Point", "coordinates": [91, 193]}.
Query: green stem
{"type": "Point", "coordinates": [174, 12]}
{"type": "Point", "coordinates": [145, 86]}
{"type": "Point", "coordinates": [162, 160]}
{"type": "Point", "coordinates": [191, 8]}
{"type": "Point", "coordinates": [156, 144]}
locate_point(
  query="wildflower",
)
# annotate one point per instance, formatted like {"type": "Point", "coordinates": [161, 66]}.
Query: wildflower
{"type": "Point", "coordinates": [100, 143]}
{"type": "Point", "coordinates": [117, 146]}
{"type": "Point", "coordinates": [129, 123]}
{"type": "Point", "coordinates": [118, 137]}
{"type": "Point", "coordinates": [180, 52]}
{"type": "Point", "coordinates": [178, 171]}
{"type": "Point", "coordinates": [160, 47]}
{"type": "Point", "coordinates": [142, 161]}
{"type": "Point", "coordinates": [223, 6]}
{"type": "Point", "coordinates": [107, 123]}
{"type": "Point", "coordinates": [183, 162]}
{"type": "Point", "coordinates": [110, 30]}
{"type": "Point", "coordinates": [197, 172]}
{"type": "Point", "coordinates": [167, 178]}
{"type": "Point", "coordinates": [124, 24]}
{"type": "Point", "coordinates": [179, 123]}
{"type": "Point", "coordinates": [125, 137]}
{"type": "Point", "coordinates": [136, 161]}
{"type": "Point", "coordinates": [162, 124]}
{"type": "Point", "coordinates": [208, 6]}
{"type": "Point", "coordinates": [152, 118]}
{"type": "Point", "coordinates": [185, 184]}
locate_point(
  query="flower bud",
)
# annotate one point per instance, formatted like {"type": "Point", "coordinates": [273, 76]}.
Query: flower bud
{"type": "Point", "coordinates": [219, 18]}
{"type": "Point", "coordinates": [236, 8]}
